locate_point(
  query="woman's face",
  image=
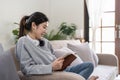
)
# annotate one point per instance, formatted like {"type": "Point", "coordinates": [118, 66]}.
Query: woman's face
{"type": "Point", "coordinates": [40, 30]}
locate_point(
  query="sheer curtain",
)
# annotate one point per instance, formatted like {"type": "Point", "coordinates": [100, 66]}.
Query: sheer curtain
{"type": "Point", "coordinates": [95, 13]}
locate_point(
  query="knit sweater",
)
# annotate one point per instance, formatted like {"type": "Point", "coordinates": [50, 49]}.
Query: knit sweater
{"type": "Point", "coordinates": [34, 59]}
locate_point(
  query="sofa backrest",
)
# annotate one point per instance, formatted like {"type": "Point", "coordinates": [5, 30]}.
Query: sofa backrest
{"type": "Point", "coordinates": [12, 51]}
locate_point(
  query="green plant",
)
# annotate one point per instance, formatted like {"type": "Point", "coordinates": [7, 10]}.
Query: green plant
{"type": "Point", "coordinates": [15, 33]}
{"type": "Point", "coordinates": [65, 31]}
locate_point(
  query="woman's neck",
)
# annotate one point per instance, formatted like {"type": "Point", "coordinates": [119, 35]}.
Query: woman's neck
{"type": "Point", "coordinates": [31, 35]}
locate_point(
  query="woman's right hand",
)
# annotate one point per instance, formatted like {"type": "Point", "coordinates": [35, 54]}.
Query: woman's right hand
{"type": "Point", "coordinates": [57, 64]}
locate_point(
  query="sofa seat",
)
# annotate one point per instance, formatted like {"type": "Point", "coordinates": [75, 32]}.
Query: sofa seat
{"type": "Point", "coordinates": [54, 76]}
{"type": "Point", "coordinates": [57, 76]}
{"type": "Point", "coordinates": [105, 72]}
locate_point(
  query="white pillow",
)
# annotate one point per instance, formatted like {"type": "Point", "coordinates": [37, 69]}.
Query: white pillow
{"type": "Point", "coordinates": [57, 44]}
{"type": "Point", "coordinates": [63, 51]}
{"type": "Point", "coordinates": [83, 50]}
{"type": "Point", "coordinates": [95, 57]}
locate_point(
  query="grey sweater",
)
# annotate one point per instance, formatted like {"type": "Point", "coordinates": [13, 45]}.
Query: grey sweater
{"type": "Point", "coordinates": [34, 59]}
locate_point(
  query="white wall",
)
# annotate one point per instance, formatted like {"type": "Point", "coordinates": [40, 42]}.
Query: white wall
{"type": "Point", "coordinates": [11, 11]}
{"type": "Point", "coordinates": [70, 11]}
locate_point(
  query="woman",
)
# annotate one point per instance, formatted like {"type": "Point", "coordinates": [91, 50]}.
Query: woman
{"type": "Point", "coordinates": [35, 53]}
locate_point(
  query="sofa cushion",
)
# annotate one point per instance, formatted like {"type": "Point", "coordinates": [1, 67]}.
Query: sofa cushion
{"type": "Point", "coordinates": [105, 72]}
{"type": "Point", "coordinates": [95, 57]}
{"type": "Point", "coordinates": [63, 51]}
{"type": "Point", "coordinates": [84, 51]}
{"type": "Point", "coordinates": [56, 44]}
{"type": "Point", "coordinates": [57, 76]}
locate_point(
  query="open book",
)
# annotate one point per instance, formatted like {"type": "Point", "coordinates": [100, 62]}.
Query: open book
{"type": "Point", "coordinates": [68, 59]}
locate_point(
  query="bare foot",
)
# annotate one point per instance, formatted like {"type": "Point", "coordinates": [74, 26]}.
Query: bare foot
{"type": "Point", "coordinates": [93, 78]}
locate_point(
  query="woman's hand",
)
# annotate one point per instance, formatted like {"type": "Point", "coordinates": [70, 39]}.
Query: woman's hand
{"type": "Point", "coordinates": [57, 64]}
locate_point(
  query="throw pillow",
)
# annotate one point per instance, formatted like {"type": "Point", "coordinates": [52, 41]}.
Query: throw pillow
{"type": "Point", "coordinates": [64, 51]}
{"type": "Point", "coordinates": [83, 50]}
{"type": "Point", "coordinates": [95, 57]}
{"type": "Point", "coordinates": [57, 44]}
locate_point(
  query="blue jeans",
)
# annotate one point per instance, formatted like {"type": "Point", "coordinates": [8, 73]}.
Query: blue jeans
{"type": "Point", "coordinates": [84, 69]}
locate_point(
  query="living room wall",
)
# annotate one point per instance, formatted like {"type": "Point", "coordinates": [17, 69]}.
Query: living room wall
{"type": "Point", "coordinates": [58, 11]}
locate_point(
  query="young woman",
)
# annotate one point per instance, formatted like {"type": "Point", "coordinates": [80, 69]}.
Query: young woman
{"type": "Point", "coordinates": [35, 53]}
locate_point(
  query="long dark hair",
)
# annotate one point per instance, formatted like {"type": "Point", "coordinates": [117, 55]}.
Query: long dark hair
{"type": "Point", "coordinates": [26, 21]}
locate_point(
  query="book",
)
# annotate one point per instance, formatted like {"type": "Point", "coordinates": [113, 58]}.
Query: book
{"type": "Point", "coordinates": [68, 59]}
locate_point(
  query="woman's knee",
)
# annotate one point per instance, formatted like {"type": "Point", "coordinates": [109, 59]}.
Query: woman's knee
{"type": "Point", "coordinates": [90, 65]}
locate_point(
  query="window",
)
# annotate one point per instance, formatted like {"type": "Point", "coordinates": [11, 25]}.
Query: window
{"type": "Point", "coordinates": [105, 38]}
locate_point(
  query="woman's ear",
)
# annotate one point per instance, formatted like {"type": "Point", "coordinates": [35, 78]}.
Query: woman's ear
{"type": "Point", "coordinates": [33, 26]}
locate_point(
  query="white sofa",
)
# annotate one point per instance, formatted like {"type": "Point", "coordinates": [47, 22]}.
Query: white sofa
{"type": "Point", "coordinates": [107, 68]}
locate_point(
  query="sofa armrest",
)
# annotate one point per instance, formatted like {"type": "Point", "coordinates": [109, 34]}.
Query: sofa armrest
{"type": "Point", "coordinates": [108, 59]}
{"type": "Point", "coordinates": [53, 76]}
